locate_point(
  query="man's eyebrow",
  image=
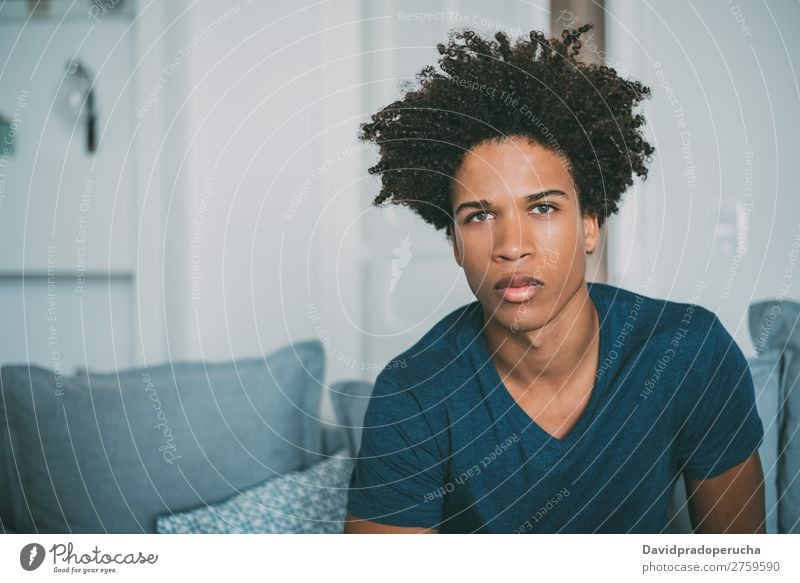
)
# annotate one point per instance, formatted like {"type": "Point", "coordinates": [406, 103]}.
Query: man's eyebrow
{"type": "Point", "coordinates": [485, 204]}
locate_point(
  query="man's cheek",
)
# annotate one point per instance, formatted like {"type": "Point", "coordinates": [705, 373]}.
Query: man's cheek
{"type": "Point", "coordinates": [551, 258]}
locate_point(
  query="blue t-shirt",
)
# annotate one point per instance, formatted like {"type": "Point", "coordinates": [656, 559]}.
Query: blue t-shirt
{"type": "Point", "coordinates": [446, 446]}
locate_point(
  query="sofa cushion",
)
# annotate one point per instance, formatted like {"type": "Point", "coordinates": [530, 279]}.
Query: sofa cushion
{"type": "Point", "coordinates": [766, 381]}
{"type": "Point", "coordinates": [313, 500]}
{"type": "Point", "coordinates": [350, 400]}
{"type": "Point", "coordinates": [97, 453]}
{"type": "Point", "coordinates": [775, 326]}
{"type": "Point", "coordinates": [6, 507]}
{"type": "Point", "coordinates": [789, 473]}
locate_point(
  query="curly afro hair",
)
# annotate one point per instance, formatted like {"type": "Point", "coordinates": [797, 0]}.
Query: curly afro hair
{"type": "Point", "coordinates": [488, 90]}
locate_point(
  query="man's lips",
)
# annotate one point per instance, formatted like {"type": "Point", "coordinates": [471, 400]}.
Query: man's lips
{"type": "Point", "coordinates": [518, 288]}
{"type": "Point", "coordinates": [518, 280]}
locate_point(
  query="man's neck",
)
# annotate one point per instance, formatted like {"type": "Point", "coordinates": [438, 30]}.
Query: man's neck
{"type": "Point", "coordinates": [553, 353]}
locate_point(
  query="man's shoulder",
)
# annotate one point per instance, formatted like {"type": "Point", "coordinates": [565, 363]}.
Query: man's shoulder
{"type": "Point", "coordinates": [657, 316]}
{"type": "Point", "coordinates": [659, 327]}
{"type": "Point", "coordinates": [431, 363]}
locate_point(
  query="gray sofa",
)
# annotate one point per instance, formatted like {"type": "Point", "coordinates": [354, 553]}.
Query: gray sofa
{"type": "Point", "coordinates": [110, 452]}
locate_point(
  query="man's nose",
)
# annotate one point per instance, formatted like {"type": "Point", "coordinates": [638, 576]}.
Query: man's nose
{"type": "Point", "coordinates": [513, 239]}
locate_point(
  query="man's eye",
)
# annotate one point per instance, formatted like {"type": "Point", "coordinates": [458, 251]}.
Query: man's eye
{"type": "Point", "coordinates": [477, 217]}
{"type": "Point", "coordinates": [546, 205]}
{"type": "Point", "coordinates": [478, 214]}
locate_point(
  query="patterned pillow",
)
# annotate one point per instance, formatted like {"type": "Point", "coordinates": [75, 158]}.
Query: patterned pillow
{"type": "Point", "coordinates": [312, 500]}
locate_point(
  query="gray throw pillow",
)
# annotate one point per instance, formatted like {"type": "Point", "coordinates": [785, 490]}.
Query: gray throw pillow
{"type": "Point", "coordinates": [350, 400]}
{"type": "Point", "coordinates": [775, 326]}
{"type": "Point", "coordinates": [6, 506]}
{"type": "Point", "coordinates": [766, 382]}
{"type": "Point", "coordinates": [96, 453]}
{"type": "Point", "coordinates": [313, 500]}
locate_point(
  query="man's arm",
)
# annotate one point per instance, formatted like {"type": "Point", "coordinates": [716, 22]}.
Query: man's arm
{"type": "Point", "coordinates": [356, 525]}
{"type": "Point", "coordinates": [732, 502]}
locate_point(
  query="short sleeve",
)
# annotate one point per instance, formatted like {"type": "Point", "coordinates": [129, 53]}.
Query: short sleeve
{"type": "Point", "coordinates": [398, 474]}
{"type": "Point", "coordinates": [721, 428]}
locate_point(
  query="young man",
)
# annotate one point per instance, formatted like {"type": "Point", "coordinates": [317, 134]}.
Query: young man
{"type": "Point", "coordinates": [549, 404]}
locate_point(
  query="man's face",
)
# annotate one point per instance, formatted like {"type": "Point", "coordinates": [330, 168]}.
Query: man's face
{"type": "Point", "coordinates": [516, 213]}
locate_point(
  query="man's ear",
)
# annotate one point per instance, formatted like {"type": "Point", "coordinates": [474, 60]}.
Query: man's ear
{"type": "Point", "coordinates": [456, 253]}
{"type": "Point", "coordinates": [591, 232]}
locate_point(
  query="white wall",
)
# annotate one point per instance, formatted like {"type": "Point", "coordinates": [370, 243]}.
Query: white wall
{"type": "Point", "coordinates": [718, 221]}
{"type": "Point", "coordinates": [266, 93]}
{"type": "Point", "coordinates": [66, 254]}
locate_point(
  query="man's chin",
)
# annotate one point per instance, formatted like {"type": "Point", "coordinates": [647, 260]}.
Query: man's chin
{"type": "Point", "coordinates": [522, 326]}
{"type": "Point", "coordinates": [515, 318]}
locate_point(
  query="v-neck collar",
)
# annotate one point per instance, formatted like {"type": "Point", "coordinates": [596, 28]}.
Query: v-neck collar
{"type": "Point", "coordinates": [509, 406]}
